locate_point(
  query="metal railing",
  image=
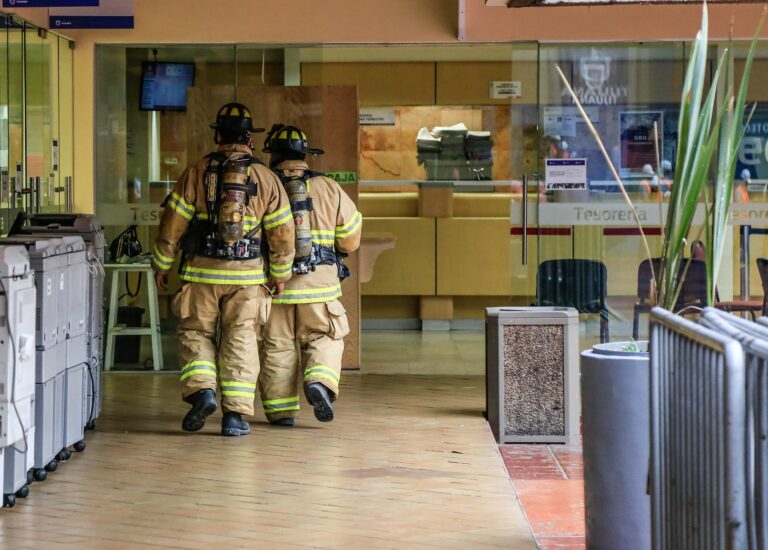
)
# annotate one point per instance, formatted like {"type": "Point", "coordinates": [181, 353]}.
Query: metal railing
{"type": "Point", "coordinates": [698, 472]}
{"type": "Point", "coordinates": [754, 340]}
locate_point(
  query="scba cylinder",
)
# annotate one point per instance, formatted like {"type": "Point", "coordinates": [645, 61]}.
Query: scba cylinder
{"type": "Point", "coordinates": [234, 200]}
{"type": "Point", "coordinates": [297, 193]}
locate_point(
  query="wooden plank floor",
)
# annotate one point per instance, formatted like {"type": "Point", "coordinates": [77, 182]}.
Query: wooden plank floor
{"type": "Point", "coordinates": [409, 463]}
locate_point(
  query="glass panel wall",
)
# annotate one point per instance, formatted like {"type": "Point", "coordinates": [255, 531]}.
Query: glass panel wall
{"type": "Point", "coordinates": [16, 160]}
{"type": "Point", "coordinates": [36, 118]}
{"type": "Point", "coordinates": [751, 186]}
{"type": "Point", "coordinates": [4, 90]}
{"type": "Point", "coordinates": [65, 168]}
{"type": "Point", "coordinates": [447, 137]}
{"type": "Point", "coordinates": [631, 95]}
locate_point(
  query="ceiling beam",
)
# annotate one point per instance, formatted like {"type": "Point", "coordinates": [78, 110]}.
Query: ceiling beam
{"type": "Point", "coordinates": [530, 3]}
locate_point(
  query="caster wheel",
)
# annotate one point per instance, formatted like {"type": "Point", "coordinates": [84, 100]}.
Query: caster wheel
{"type": "Point", "coordinates": [30, 476]}
{"type": "Point", "coordinates": [64, 454]}
{"type": "Point", "coordinates": [51, 466]}
{"type": "Point", "coordinates": [9, 501]}
{"type": "Point", "coordinates": [41, 474]}
{"type": "Point", "coordinates": [80, 446]}
{"type": "Point", "coordinates": [91, 425]}
{"type": "Point", "coordinates": [23, 492]}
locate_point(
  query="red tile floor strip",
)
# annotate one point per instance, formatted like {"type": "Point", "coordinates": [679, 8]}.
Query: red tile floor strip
{"type": "Point", "coordinates": [548, 480]}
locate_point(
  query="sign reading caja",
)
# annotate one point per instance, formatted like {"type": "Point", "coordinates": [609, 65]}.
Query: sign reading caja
{"type": "Point", "coordinates": [342, 177]}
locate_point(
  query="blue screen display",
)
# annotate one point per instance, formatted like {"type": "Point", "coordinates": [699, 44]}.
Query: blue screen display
{"type": "Point", "coordinates": [164, 85]}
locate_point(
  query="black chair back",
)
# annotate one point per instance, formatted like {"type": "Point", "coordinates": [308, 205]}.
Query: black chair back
{"type": "Point", "coordinates": [762, 268]}
{"type": "Point", "coordinates": [694, 290]}
{"type": "Point", "coordinates": [581, 284]}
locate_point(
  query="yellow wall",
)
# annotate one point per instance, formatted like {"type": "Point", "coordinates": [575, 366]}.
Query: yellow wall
{"type": "Point", "coordinates": [379, 84]}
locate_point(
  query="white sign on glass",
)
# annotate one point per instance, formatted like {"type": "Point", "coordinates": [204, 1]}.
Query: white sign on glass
{"type": "Point", "coordinates": [506, 89]}
{"type": "Point", "coordinates": [565, 173]}
{"type": "Point", "coordinates": [595, 73]}
{"type": "Point", "coordinates": [377, 116]}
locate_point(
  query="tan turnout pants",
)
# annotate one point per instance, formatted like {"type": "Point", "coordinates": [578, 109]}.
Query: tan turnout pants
{"type": "Point", "coordinates": [306, 339]}
{"type": "Point", "coordinates": [217, 340]}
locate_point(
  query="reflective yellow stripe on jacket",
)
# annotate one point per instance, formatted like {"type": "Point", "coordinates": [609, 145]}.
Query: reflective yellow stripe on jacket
{"type": "Point", "coordinates": [162, 261]}
{"type": "Point", "coordinates": [177, 203]}
{"type": "Point", "coordinates": [223, 276]}
{"type": "Point", "coordinates": [350, 227]}
{"type": "Point", "coordinates": [278, 217]}
{"type": "Point", "coordinates": [280, 270]}
{"type": "Point", "coordinates": [323, 237]}
{"type": "Point", "coordinates": [309, 295]}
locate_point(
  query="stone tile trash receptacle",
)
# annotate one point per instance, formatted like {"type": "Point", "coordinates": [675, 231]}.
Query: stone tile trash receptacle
{"type": "Point", "coordinates": [532, 385]}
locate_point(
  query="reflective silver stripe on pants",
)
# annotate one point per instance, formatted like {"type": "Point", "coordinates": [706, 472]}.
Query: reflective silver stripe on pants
{"type": "Point", "coordinates": [312, 370]}
{"type": "Point", "coordinates": [281, 405]}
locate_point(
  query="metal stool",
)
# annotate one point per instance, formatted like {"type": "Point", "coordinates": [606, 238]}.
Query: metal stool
{"type": "Point", "coordinates": [114, 330]}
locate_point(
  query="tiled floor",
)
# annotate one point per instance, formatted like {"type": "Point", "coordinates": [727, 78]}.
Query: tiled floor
{"type": "Point", "coordinates": [383, 352]}
{"type": "Point", "coordinates": [408, 463]}
{"type": "Point", "coordinates": [416, 352]}
{"type": "Point", "coordinates": [548, 480]}
{"type": "Point", "coordinates": [390, 352]}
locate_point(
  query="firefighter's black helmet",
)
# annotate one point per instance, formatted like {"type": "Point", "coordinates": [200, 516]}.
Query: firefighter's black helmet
{"type": "Point", "coordinates": [288, 139]}
{"type": "Point", "coordinates": [235, 117]}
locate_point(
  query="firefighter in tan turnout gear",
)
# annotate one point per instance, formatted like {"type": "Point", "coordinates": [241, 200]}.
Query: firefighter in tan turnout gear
{"type": "Point", "coordinates": [307, 324]}
{"type": "Point", "coordinates": [218, 212]}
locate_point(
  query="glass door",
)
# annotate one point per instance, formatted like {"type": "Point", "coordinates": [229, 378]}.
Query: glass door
{"type": "Point", "coordinates": [15, 95]}
{"type": "Point", "coordinates": [589, 246]}
{"type": "Point", "coordinates": [64, 148]}
{"type": "Point", "coordinates": [38, 118]}
{"type": "Point", "coordinates": [5, 173]}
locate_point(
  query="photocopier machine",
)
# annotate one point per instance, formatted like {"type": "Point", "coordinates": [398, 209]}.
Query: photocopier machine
{"type": "Point", "coordinates": [51, 311]}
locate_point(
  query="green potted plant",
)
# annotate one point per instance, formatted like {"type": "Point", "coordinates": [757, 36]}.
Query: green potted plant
{"type": "Point", "coordinates": [615, 377]}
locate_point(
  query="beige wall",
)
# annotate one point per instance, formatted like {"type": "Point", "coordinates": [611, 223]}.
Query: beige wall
{"type": "Point", "coordinates": [36, 16]}
{"type": "Point", "coordinates": [607, 23]}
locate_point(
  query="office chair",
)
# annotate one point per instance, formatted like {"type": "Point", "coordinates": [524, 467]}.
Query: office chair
{"type": "Point", "coordinates": [580, 284]}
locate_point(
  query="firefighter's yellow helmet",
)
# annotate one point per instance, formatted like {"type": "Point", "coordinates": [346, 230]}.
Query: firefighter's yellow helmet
{"type": "Point", "coordinates": [288, 139]}
{"type": "Point", "coordinates": [235, 117]}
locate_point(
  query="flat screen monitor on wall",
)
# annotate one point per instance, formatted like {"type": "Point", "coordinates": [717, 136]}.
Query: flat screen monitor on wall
{"type": "Point", "coordinates": [164, 85]}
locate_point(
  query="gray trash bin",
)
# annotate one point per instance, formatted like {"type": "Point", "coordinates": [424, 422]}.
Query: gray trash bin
{"type": "Point", "coordinates": [532, 387]}
{"type": "Point", "coordinates": [616, 439]}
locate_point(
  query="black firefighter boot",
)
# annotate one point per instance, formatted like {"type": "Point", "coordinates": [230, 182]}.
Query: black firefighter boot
{"type": "Point", "coordinates": [233, 425]}
{"type": "Point", "coordinates": [286, 422]}
{"type": "Point", "coordinates": [203, 405]}
{"type": "Point", "coordinates": [318, 397]}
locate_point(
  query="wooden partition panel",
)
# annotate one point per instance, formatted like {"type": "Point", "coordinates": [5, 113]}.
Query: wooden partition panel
{"type": "Point", "coordinates": [329, 117]}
